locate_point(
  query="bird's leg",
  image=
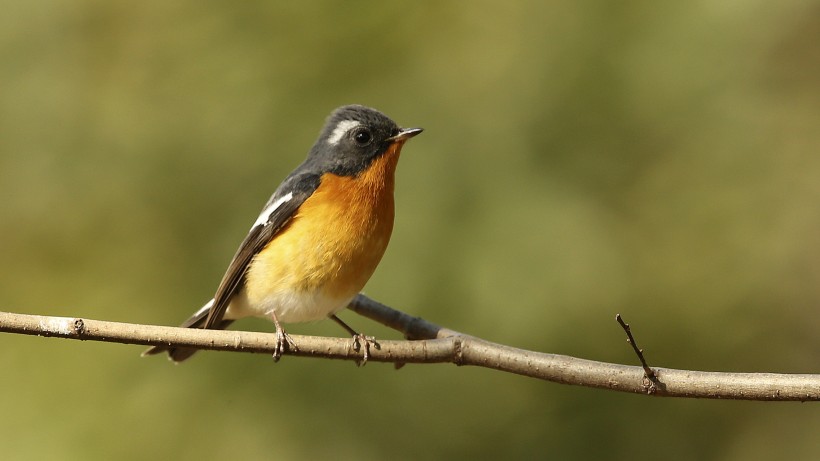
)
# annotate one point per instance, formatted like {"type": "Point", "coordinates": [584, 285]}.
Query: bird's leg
{"type": "Point", "coordinates": [281, 339]}
{"type": "Point", "coordinates": [358, 340]}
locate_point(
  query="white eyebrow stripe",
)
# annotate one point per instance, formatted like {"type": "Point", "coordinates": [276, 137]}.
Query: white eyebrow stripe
{"type": "Point", "coordinates": [343, 127]}
{"type": "Point", "coordinates": [264, 217]}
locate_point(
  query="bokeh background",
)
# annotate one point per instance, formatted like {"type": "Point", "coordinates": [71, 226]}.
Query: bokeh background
{"type": "Point", "coordinates": [580, 159]}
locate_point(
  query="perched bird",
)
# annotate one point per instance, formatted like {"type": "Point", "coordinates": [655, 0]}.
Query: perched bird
{"type": "Point", "coordinates": [320, 236]}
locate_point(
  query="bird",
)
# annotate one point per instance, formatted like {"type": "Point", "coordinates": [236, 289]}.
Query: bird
{"type": "Point", "coordinates": [319, 237]}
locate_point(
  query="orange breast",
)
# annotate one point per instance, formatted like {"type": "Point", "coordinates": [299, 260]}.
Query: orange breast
{"type": "Point", "coordinates": [334, 242]}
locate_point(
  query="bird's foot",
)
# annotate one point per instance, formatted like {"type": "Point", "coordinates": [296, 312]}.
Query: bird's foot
{"type": "Point", "coordinates": [283, 341]}
{"type": "Point", "coordinates": [363, 343]}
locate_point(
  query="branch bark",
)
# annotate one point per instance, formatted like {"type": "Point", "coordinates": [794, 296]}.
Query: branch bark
{"type": "Point", "coordinates": [433, 344]}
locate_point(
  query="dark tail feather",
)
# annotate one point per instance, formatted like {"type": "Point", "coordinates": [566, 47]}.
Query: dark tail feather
{"type": "Point", "coordinates": [178, 354]}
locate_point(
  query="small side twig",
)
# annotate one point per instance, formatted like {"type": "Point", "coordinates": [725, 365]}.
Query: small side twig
{"type": "Point", "coordinates": [650, 374]}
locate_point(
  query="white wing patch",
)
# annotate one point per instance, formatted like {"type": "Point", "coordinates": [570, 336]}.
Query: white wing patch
{"type": "Point", "coordinates": [202, 310]}
{"type": "Point", "coordinates": [343, 127]}
{"type": "Point", "coordinates": [265, 215]}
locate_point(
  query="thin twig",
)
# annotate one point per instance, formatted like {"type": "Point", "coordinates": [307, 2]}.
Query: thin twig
{"type": "Point", "coordinates": [639, 352]}
{"type": "Point", "coordinates": [449, 347]}
{"type": "Point", "coordinates": [411, 327]}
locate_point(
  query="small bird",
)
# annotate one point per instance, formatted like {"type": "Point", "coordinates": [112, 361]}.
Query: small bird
{"type": "Point", "coordinates": [320, 236]}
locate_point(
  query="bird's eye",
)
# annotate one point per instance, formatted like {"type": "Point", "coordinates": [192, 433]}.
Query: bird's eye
{"type": "Point", "coordinates": [362, 137]}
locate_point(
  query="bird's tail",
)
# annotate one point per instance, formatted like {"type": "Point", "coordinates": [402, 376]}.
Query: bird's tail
{"type": "Point", "coordinates": [178, 354]}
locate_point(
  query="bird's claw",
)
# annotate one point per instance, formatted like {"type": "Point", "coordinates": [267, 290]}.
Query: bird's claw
{"type": "Point", "coordinates": [358, 341]}
{"type": "Point", "coordinates": [283, 342]}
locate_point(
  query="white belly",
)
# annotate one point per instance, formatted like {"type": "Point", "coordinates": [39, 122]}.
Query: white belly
{"type": "Point", "coordinates": [290, 307]}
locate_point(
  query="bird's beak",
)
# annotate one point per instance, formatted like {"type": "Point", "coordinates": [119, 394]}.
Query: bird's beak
{"type": "Point", "coordinates": [405, 134]}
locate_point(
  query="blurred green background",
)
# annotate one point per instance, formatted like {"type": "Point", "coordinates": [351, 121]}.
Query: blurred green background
{"type": "Point", "coordinates": [580, 159]}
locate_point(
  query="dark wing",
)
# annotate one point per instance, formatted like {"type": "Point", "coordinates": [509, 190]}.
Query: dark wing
{"type": "Point", "coordinates": [277, 213]}
{"type": "Point", "coordinates": [178, 354]}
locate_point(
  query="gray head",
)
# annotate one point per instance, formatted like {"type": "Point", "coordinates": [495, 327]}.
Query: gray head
{"type": "Point", "coordinates": [354, 136]}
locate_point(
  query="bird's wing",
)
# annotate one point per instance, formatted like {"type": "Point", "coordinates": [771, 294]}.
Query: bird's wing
{"type": "Point", "coordinates": [277, 213]}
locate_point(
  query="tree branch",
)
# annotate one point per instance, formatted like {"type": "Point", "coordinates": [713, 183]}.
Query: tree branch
{"type": "Point", "coordinates": [438, 345]}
